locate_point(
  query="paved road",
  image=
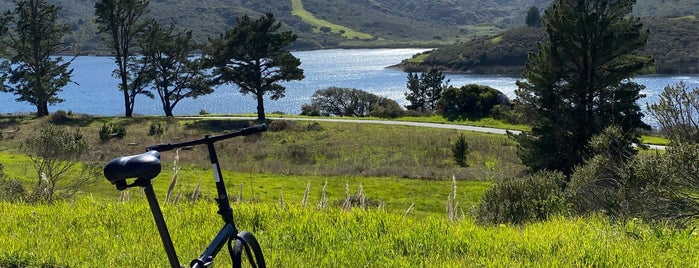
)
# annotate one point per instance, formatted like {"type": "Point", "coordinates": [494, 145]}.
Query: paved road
{"type": "Point", "coordinates": [401, 123]}
{"type": "Point", "coordinates": [383, 122]}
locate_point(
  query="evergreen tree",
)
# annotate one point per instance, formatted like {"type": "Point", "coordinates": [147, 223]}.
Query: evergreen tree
{"type": "Point", "coordinates": [416, 93]}
{"type": "Point", "coordinates": [33, 35]}
{"type": "Point", "coordinates": [425, 91]}
{"type": "Point", "coordinates": [579, 81]}
{"type": "Point", "coordinates": [171, 72]}
{"type": "Point", "coordinates": [255, 57]}
{"type": "Point", "coordinates": [533, 17]}
{"type": "Point", "coordinates": [120, 22]}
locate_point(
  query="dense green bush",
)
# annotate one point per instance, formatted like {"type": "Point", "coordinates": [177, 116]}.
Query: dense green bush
{"type": "Point", "coordinates": [520, 200]}
{"type": "Point", "coordinates": [469, 101]}
{"type": "Point", "coordinates": [350, 102]}
{"type": "Point", "coordinates": [387, 108]}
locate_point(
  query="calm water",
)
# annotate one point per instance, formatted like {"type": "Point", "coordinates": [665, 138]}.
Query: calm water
{"type": "Point", "coordinates": [96, 90]}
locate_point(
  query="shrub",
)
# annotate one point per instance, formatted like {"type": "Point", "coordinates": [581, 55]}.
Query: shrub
{"type": "Point", "coordinates": [11, 190]}
{"type": "Point", "coordinates": [387, 108]}
{"type": "Point", "coordinates": [521, 200]}
{"type": "Point", "coordinates": [59, 117]}
{"type": "Point", "coordinates": [155, 129]}
{"type": "Point", "coordinates": [53, 152]}
{"type": "Point", "coordinates": [677, 113]}
{"type": "Point", "coordinates": [107, 132]}
{"type": "Point", "coordinates": [279, 125]}
{"type": "Point", "coordinates": [350, 102]}
{"type": "Point", "coordinates": [608, 181]}
{"type": "Point", "coordinates": [460, 149]}
{"type": "Point", "coordinates": [469, 101]}
{"type": "Point", "coordinates": [310, 110]}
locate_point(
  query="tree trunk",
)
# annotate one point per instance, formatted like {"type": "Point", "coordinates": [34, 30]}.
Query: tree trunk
{"type": "Point", "coordinates": [260, 107]}
{"type": "Point", "coordinates": [168, 111]}
{"type": "Point", "coordinates": [127, 101]}
{"type": "Point", "coordinates": [42, 109]}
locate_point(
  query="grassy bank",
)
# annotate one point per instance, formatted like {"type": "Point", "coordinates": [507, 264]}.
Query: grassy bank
{"type": "Point", "coordinates": [93, 233]}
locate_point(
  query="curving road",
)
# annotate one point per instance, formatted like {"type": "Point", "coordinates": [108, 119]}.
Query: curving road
{"type": "Point", "coordinates": [401, 123]}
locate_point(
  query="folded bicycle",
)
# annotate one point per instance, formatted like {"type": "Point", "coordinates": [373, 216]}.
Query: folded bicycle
{"type": "Point", "coordinates": [146, 166]}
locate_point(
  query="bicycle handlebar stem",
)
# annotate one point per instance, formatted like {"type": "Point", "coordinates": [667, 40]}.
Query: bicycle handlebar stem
{"type": "Point", "coordinates": [224, 207]}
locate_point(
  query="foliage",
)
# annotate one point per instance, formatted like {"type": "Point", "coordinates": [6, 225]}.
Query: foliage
{"type": "Point", "coordinates": [578, 82]}
{"type": "Point", "coordinates": [481, 55]}
{"type": "Point", "coordinates": [533, 198]}
{"type": "Point", "coordinates": [677, 113]}
{"type": "Point", "coordinates": [120, 22]}
{"type": "Point", "coordinates": [53, 152]}
{"type": "Point", "coordinates": [460, 150]}
{"type": "Point", "coordinates": [254, 56]}
{"type": "Point", "coordinates": [60, 117]}
{"type": "Point", "coordinates": [424, 92]}
{"type": "Point", "coordinates": [109, 131]}
{"type": "Point", "coordinates": [155, 129]}
{"type": "Point", "coordinates": [391, 23]}
{"type": "Point", "coordinates": [34, 37]}
{"type": "Point", "coordinates": [351, 102]}
{"type": "Point", "coordinates": [606, 182]}
{"type": "Point", "coordinates": [11, 190]}
{"type": "Point", "coordinates": [470, 101]}
{"type": "Point", "coordinates": [679, 172]}
{"type": "Point", "coordinates": [170, 70]}
{"type": "Point", "coordinates": [533, 17]}
{"type": "Point", "coordinates": [672, 43]}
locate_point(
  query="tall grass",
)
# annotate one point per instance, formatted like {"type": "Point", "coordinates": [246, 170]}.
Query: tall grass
{"type": "Point", "coordinates": [91, 232]}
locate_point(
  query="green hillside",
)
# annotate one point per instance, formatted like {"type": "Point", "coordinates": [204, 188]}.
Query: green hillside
{"type": "Point", "coordinates": [344, 23]}
{"type": "Point", "coordinates": [673, 43]}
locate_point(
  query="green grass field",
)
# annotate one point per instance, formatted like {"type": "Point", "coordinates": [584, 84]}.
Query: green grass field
{"type": "Point", "coordinates": [397, 168]}
{"type": "Point", "coordinates": [91, 232]}
{"type": "Point", "coordinates": [308, 17]}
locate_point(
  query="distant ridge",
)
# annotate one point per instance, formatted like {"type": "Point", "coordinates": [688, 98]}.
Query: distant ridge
{"type": "Point", "coordinates": [389, 23]}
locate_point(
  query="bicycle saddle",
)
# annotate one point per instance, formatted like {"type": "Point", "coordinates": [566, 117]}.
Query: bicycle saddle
{"type": "Point", "coordinates": [144, 167]}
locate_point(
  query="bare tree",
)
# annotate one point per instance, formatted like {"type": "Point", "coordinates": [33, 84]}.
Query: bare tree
{"type": "Point", "coordinates": [677, 113]}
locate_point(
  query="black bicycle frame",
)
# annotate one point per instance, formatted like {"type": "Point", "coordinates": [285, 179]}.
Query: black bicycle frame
{"type": "Point", "coordinates": [229, 229]}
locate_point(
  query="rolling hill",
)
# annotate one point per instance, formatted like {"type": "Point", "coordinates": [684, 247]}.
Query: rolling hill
{"type": "Point", "coordinates": [673, 43]}
{"type": "Point", "coordinates": [343, 23]}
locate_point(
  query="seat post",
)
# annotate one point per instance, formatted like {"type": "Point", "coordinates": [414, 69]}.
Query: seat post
{"type": "Point", "coordinates": [162, 227]}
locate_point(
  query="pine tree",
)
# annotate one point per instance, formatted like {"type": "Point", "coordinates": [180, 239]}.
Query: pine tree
{"type": "Point", "coordinates": [170, 70]}
{"type": "Point", "coordinates": [34, 36]}
{"type": "Point", "coordinates": [425, 91]}
{"type": "Point", "coordinates": [255, 57]}
{"type": "Point", "coordinates": [580, 81]}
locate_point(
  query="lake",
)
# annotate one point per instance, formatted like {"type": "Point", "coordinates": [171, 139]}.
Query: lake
{"type": "Point", "coordinates": [95, 91]}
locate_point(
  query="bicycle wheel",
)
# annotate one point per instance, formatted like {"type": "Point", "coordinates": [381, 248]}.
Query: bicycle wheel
{"type": "Point", "coordinates": [248, 242]}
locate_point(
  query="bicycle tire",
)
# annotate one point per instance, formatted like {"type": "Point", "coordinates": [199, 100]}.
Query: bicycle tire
{"type": "Point", "coordinates": [236, 252]}
{"type": "Point", "coordinates": [247, 241]}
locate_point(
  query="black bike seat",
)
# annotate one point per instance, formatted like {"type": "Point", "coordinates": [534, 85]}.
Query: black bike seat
{"type": "Point", "coordinates": [144, 166]}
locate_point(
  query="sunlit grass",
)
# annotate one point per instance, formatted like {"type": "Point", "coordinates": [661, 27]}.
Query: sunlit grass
{"type": "Point", "coordinates": [655, 140]}
{"type": "Point", "coordinates": [95, 233]}
{"type": "Point", "coordinates": [297, 9]}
